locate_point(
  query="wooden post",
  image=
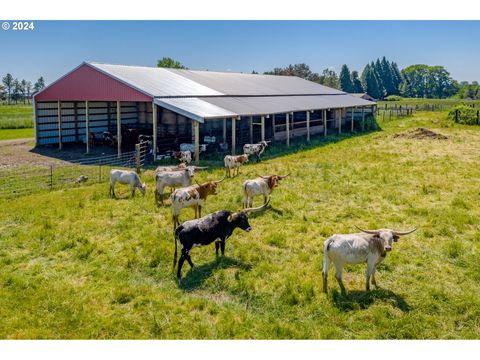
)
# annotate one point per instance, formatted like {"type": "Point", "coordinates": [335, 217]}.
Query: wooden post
{"type": "Point", "coordinates": [273, 126]}
{"type": "Point", "coordinates": [308, 126]}
{"type": "Point", "coordinates": [196, 127]}
{"type": "Point", "coordinates": [87, 127]}
{"type": "Point", "coordinates": [250, 123]}
{"type": "Point", "coordinates": [155, 129]}
{"type": "Point", "coordinates": [137, 158]}
{"type": "Point", "coordinates": [325, 122]}
{"type": "Point", "coordinates": [35, 126]}
{"type": "Point", "coordinates": [224, 130]}
{"type": "Point", "coordinates": [340, 113]}
{"type": "Point", "coordinates": [353, 119]}
{"type": "Point", "coordinates": [263, 128]}
{"type": "Point", "coordinates": [233, 135]}
{"type": "Point", "coordinates": [119, 130]}
{"type": "Point", "coordinates": [75, 119]}
{"type": "Point", "coordinates": [363, 118]}
{"type": "Point", "coordinates": [59, 115]}
{"type": "Point", "coordinates": [287, 126]}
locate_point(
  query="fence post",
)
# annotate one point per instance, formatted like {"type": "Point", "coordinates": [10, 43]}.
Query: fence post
{"type": "Point", "coordinates": [456, 115]}
{"type": "Point", "coordinates": [100, 173]}
{"type": "Point", "coordinates": [478, 117]}
{"type": "Point", "coordinates": [51, 177]}
{"type": "Point", "coordinates": [137, 158]}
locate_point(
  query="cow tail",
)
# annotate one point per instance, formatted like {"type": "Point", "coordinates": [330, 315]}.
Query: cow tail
{"type": "Point", "coordinates": [175, 239]}
{"type": "Point", "coordinates": [326, 258]}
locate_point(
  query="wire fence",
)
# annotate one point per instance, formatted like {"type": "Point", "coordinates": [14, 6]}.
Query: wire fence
{"type": "Point", "coordinates": [25, 179]}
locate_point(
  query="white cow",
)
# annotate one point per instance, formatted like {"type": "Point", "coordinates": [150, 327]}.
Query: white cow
{"type": "Point", "coordinates": [370, 246]}
{"type": "Point", "coordinates": [126, 177]}
{"type": "Point", "coordinates": [173, 178]}
{"type": "Point", "coordinates": [234, 162]}
{"type": "Point", "coordinates": [262, 185]}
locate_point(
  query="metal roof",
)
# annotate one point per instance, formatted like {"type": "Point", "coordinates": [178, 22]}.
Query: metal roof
{"type": "Point", "coordinates": [156, 81]}
{"type": "Point", "coordinates": [200, 108]}
{"type": "Point", "coordinates": [233, 84]}
{"type": "Point", "coordinates": [163, 82]}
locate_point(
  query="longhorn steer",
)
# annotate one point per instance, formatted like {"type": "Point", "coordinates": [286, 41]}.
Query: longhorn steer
{"type": "Point", "coordinates": [192, 196]}
{"type": "Point", "coordinates": [370, 246]}
{"type": "Point", "coordinates": [234, 162]}
{"type": "Point", "coordinates": [214, 227]}
{"type": "Point", "coordinates": [255, 149]}
{"type": "Point", "coordinates": [172, 178]}
{"type": "Point", "coordinates": [126, 177]}
{"type": "Point", "coordinates": [262, 185]}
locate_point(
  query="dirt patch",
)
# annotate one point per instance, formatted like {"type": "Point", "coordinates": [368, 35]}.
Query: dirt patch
{"type": "Point", "coordinates": [23, 152]}
{"type": "Point", "coordinates": [420, 133]}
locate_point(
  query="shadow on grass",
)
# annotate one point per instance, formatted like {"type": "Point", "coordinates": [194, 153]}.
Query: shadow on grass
{"type": "Point", "coordinates": [197, 276]}
{"type": "Point", "coordinates": [356, 300]}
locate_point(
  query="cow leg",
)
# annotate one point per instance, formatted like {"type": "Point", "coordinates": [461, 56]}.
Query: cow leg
{"type": "Point", "coordinates": [189, 259]}
{"type": "Point", "coordinates": [374, 282]}
{"type": "Point", "coordinates": [217, 247]}
{"type": "Point", "coordinates": [222, 247]}
{"type": "Point", "coordinates": [133, 191]}
{"type": "Point", "coordinates": [265, 200]}
{"type": "Point", "coordinates": [251, 202]}
{"type": "Point", "coordinates": [180, 264]}
{"type": "Point", "coordinates": [258, 157]}
{"type": "Point", "coordinates": [199, 211]}
{"type": "Point", "coordinates": [244, 201]}
{"type": "Point", "coordinates": [370, 270]}
{"type": "Point", "coordinates": [338, 276]}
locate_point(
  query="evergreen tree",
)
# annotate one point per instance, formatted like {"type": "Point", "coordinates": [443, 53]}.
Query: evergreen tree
{"type": "Point", "coordinates": [370, 82]}
{"type": "Point", "coordinates": [357, 84]}
{"type": "Point", "coordinates": [346, 80]}
{"type": "Point", "coordinates": [377, 69]}
{"type": "Point", "coordinates": [397, 77]}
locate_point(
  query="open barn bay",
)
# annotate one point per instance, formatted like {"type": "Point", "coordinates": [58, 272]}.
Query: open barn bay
{"type": "Point", "coordinates": [76, 264]}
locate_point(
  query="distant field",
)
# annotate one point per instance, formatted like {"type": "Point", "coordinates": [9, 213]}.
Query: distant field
{"type": "Point", "coordinates": [78, 264]}
{"type": "Point", "coordinates": [442, 103]}
{"type": "Point", "coordinates": [18, 116]}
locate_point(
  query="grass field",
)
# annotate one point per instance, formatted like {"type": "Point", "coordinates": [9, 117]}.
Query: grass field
{"type": "Point", "coordinates": [77, 264]}
{"type": "Point", "coordinates": [17, 116]}
{"type": "Point", "coordinates": [10, 134]}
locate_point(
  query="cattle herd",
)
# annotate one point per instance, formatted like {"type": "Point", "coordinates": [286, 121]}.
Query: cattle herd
{"type": "Point", "coordinates": [370, 246]}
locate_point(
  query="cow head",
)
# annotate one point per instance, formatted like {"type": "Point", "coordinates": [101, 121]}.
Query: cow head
{"type": "Point", "coordinates": [387, 236]}
{"type": "Point", "coordinates": [190, 172]}
{"type": "Point", "coordinates": [240, 218]}
{"type": "Point", "coordinates": [209, 188]}
{"type": "Point", "coordinates": [143, 188]}
{"type": "Point", "coordinates": [274, 180]}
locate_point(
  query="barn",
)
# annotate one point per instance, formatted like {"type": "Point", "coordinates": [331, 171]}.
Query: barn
{"type": "Point", "coordinates": [208, 109]}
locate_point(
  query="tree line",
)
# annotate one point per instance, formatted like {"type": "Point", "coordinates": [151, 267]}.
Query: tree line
{"type": "Point", "coordinates": [382, 78]}
{"type": "Point", "coordinates": [15, 90]}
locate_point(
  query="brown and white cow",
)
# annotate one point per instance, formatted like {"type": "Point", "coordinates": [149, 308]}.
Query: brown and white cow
{"type": "Point", "coordinates": [234, 162]}
{"type": "Point", "coordinates": [192, 196]}
{"type": "Point", "coordinates": [262, 185]}
{"type": "Point", "coordinates": [370, 246]}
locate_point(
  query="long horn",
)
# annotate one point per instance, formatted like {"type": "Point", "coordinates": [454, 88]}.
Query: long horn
{"type": "Point", "coordinates": [400, 233]}
{"type": "Point", "coordinates": [257, 208]}
{"type": "Point", "coordinates": [200, 167]}
{"type": "Point", "coordinates": [284, 176]}
{"type": "Point", "coordinates": [219, 181]}
{"type": "Point", "coordinates": [264, 177]}
{"type": "Point", "coordinates": [367, 231]}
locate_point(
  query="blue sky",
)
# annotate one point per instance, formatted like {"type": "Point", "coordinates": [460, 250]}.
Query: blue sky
{"type": "Point", "coordinates": [55, 47]}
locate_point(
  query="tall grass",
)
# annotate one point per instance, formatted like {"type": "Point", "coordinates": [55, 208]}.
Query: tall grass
{"type": "Point", "coordinates": [77, 264]}
{"type": "Point", "coordinates": [18, 116]}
